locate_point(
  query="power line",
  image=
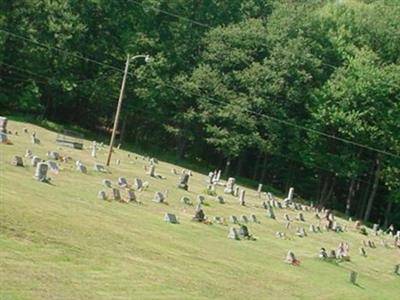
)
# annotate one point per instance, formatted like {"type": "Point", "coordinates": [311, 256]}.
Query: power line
{"type": "Point", "coordinates": [288, 123]}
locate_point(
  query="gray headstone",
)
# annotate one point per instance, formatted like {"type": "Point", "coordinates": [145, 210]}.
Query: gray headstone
{"type": "Point", "coordinates": [242, 197]}
{"type": "Point", "coordinates": [81, 168]}
{"type": "Point", "coordinates": [41, 172]}
{"type": "Point", "coordinates": [158, 197]}
{"type": "Point", "coordinates": [3, 124]}
{"type": "Point", "coordinates": [122, 182]}
{"type": "Point", "coordinates": [115, 194]}
{"type": "Point", "coordinates": [53, 167]}
{"type": "Point", "coordinates": [353, 277]}
{"type": "Point", "coordinates": [28, 153]}
{"type": "Point", "coordinates": [312, 228]}
{"type": "Point", "coordinates": [229, 186]}
{"type": "Point", "coordinates": [244, 219]}
{"type": "Point", "coordinates": [183, 181]}
{"type": "Point", "coordinates": [3, 138]}
{"type": "Point", "coordinates": [236, 191]}
{"type": "Point", "coordinates": [152, 171]}
{"type": "Point", "coordinates": [186, 200]}
{"type": "Point", "coordinates": [270, 212]}
{"type": "Point", "coordinates": [233, 220]}
{"type": "Point", "coordinates": [107, 183]}
{"type": "Point", "coordinates": [253, 218]}
{"type": "Point", "coordinates": [53, 155]}
{"type": "Point", "coordinates": [220, 199]}
{"type": "Point", "coordinates": [17, 161]}
{"type": "Point", "coordinates": [300, 217]}
{"type": "Point", "coordinates": [130, 195]}
{"type": "Point", "coordinates": [138, 183]}
{"type": "Point", "coordinates": [35, 160]}
{"type": "Point", "coordinates": [170, 218]}
{"type": "Point", "coordinates": [363, 252]}
{"type": "Point", "coordinates": [233, 234]}
{"type": "Point", "coordinates": [200, 199]}
{"type": "Point", "coordinates": [290, 257]}
{"type": "Point", "coordinates": [102, 195]}
{"type": "Point", "coordinates": [34, 139]}
{"type": "Point", "coordinates": [397, 269]}
{"type": "Point", "coordinates": [99, 168]}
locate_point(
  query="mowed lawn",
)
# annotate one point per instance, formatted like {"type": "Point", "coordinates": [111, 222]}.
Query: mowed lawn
{"type": "Point", "coordinates": [58, 241]}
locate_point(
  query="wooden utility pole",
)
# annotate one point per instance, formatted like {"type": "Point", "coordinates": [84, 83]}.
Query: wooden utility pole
{"type": "Point", "coordinates": [121, 96]}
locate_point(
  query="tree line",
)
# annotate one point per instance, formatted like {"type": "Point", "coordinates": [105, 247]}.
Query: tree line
{"type": "Point", "coordinates": [289, 93]}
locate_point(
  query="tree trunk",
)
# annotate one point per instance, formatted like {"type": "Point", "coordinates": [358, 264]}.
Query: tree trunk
{"type": "Point", "coordinates": [227, 164]}
{"type": "Point", "coordinates": [123, 130]}
{"type": "Point", "coordinates": [387, 214]}
{"type": "Point", "coordinates": [350, 196]}
{"type": "Point", "coordinates": [373, 191]}
{"type": "Point", "coordinates": [239, 165]}
{"type": "Point", "coordinates": [264, 169]}
{"type": "Point", "coordinates": [363, 202]}
{"type": "Point", "coordinates": [258, 160]}
{"type": "Point", "coordinates": [323, 191]}
{"type": "Point", "coordinates": [181, 145]}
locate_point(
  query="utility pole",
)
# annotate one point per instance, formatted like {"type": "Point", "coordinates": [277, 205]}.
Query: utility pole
{"type": "Point", "coordinates": [121, 96]}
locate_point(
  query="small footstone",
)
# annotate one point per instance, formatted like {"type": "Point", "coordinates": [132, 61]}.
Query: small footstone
{"type": "Point", "coordinates": [220, 199]}
{"type": "Point", "coordinates": [102, 195]}
{"type": "Point", "coordinates": [353, 277]}
{"type": "Point", "coordinates": [107, 183]}
{"type": "Point", "coordinates": [170, 218]}
{"type": "Point", "coordinates": [17, 161]}
{"type": "Point", "coordinates": [35, 160]}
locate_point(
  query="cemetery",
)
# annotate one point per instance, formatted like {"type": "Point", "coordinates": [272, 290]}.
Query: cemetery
{"type": "Point", "coordinates": [93, 231]}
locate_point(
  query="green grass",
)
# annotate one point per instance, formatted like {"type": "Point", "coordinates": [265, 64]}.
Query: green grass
{"type": "Point", "coordinates": [58, 241]}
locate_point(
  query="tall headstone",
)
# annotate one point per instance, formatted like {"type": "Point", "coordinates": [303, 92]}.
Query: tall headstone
{"type": "Point", "coordinates": [230, 185]}
{"type": "Point", "coordinates": [183, 181]}
{"type": "Point", "coordinates": [41, 172]}
{"type": "Point", "coordinates": [353, 277]}
{"type": "Point", "coordinates": [94, 149]}
{"type": "Point", "coordinates": [236, 191]}
{"type": "Point", "coordinates": [270, 212]}
{"type": "Point", "coordinates": [152, 171]}
{"type": "Point", "coordinates": [138, 184]}
{"type": "Point", "coordinates": [242, 197]}
{"type": "Point", "coordinates": [218, 176]}
{"type": "Point", "coordinates": [3, 124]}
{"type": "Point", "coordinates": [289, 198]}
{"type": "Point", "coordinates": [259, 189]}
{"type": "Point", "coordinates": [300, 217]}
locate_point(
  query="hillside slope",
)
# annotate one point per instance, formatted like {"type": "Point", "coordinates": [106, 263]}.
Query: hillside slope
{"type": "Point", "coordinates": [58, 241]}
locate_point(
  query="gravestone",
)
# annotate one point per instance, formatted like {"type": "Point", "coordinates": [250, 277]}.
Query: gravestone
{"type": "Point", "coordinates": [233, 234]}
{"type": "Point", "coordinates": [130, 195]}
{"type": "Point", "coordinates": [107, 183]}
{"type": "Point", "coordinates": [363, 252]}
{"type": "Point", "coordinates": [300, 217]}
{"type": "Point", "coordinates": [17, 161]}
{"type": "Point", "coordinates": [210, 178]}
{"type": "Point", "coordinates": [34, 139]}
{"type": "Point", "coordinates": [81, 168]}
{"type": "Point", "coordinates": [28, 153]}
{"type": "Point", "coordinates": [138, 184]}
{"type": "Point", "coordinates": [53, 155]}
{"type": "Point", "coordinates": [287, 225]}
{"type": "Point", "coordinates": [236, 191]}
{"type": "Point", "coordinates": [233, 220]}
{"type": "Point", "coordinates": [312, 228]}
{"type": "Point", "coordinates": [99, 168]}
{"type": "Point", "coordinates": [244, 231]}
{"type": "Point", "coordinates": [41, 172]}
{"type": "Point", "coordinates": [3, 138]}
{"type": "Point", "coordinates": [35, 160]}
{"type": "Point", "coordinates": [397, 269]}
{"type": "Point", "coordinates": [115, 194]}
{"type": "Point", "coordinates": [300, 232]}
{"type": "Point", "coordinates": [53, 167]}
{"type": "Point", "coordinates": [279, 204]}
{"type": "Point", "coordinates": [218, 176]}
{"type": "Point", "coordinates": [291, 258]}
{"type": "Point", "coordinates": [199, 215]}
{"type": "Point", "coordinates": [217, 219]}
{"type": "Point", "coordinates": [353, 277]}
{"type": "Point", "coordinates": [183, 181]}
{"type": "Point", "coordinates": [270, 212]}
{"type": "Point", "coordinates": [253, 218]}
{"type": "Point", "coordinates": [244, 219]}
{"type": "Point", "coordinates": [25, 130]}
{"type": "Point", "coordinates": [230, 185]}
{"type": "Point", "coordinates": [170, 218]}
{"type": "Point", "coordinates": [286, 216]}
{"type": "Point", "coordinates": [102, 195]}
{"type": "Point", "coordinates": [200, 199]}
{"type": "Point", "coordinates": [186, 200]}
{"type": "Point", "coordinates": [173, 171]}
{"type": "Point", "coordinates": [3, 124]}
{"type": "Point", "coordinates": [241, 198]}
{"type": "Point", "coordinates": [152, 171]}
{"type": "Point", "coordinates": [259, 189]}
{"type": "Point", "coordinates": [375, 228]}
{"type": "Point", "coordinates": [159, 197]}
{"type": "Point", "coordinates": [220, 199]}
{"type": "Point", "coordinates": [289, 199]}
{"type": "Point", "coordinates": [122, 182]}
{"type": "Point", "coordinates": [323, 254]}
{"type": "Point", "coordinates": [94, 149]}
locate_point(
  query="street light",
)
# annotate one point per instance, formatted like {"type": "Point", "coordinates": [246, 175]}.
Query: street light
{"type": "Point", "coordinates": [121, 96]}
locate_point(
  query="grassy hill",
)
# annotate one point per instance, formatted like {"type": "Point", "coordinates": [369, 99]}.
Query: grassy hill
{"type": "Point", "coordinates": [58, 241]}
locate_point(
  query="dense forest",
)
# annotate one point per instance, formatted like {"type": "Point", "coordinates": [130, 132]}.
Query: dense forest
{"type": "Point", "coordinates": [300, 93]}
